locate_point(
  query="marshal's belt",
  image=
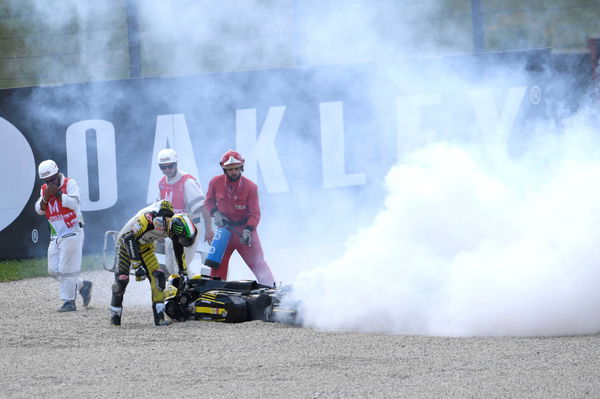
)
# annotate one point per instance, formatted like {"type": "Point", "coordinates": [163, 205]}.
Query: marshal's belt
{"type": "Point", "coordinates": [239, 222]}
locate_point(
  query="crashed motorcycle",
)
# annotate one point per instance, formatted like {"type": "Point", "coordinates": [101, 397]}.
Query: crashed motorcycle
{"type": "Point", "coordinates": [210, 298]}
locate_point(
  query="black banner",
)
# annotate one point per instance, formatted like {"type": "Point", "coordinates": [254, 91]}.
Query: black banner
{"type": "Point", "coordinates": [318, 141]}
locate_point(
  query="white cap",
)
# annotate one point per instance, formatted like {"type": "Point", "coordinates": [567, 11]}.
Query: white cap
{"type": "Point", "coordinates": [167, 156]}
{"type": "Point", "coordinates": [47, 168]}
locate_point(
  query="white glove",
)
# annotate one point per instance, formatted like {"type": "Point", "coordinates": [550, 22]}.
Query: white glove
{"type": "Point", "coordinates": [184, 278]}
{"type": "Point", "coordinates": [220, 219]}
{"type": "Point", "coordinates": [246, 237]}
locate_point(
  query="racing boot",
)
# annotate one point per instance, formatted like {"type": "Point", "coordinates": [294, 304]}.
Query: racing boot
{"type": "Point", "coordinates": [115, 316]}
{"type": "Point", "coordinates": [86, 292]}
{"type": "Point", "coordinates": [68, 306]}
{"type": "Point", "coordinates": [159, 314]}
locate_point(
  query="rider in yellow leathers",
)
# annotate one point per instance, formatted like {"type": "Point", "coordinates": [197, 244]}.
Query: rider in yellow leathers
{"type": "Point", "coordinates": [135, 249]}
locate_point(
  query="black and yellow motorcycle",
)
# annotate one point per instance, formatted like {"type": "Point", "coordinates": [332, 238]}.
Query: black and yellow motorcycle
{"type": "Point", "coordinates": [210, 298]}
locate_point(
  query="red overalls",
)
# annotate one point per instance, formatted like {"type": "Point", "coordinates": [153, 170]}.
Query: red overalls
{"type": "Point", "coordinates": [238, 201]}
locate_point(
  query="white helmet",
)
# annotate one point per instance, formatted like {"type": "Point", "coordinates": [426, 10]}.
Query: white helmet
{"type": "Point", "coordinates": [47, 168]}
{"type": "Point", "coordinates": [167, 156]}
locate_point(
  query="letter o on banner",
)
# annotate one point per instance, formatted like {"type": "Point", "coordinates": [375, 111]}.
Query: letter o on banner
{"type": "Point", "coordinates": [16, 156]}
{"type": "Point", "coordinates": [107, 162]}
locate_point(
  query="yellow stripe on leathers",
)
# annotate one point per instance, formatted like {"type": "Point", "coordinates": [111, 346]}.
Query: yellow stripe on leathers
{"type": "Point", "coordinates": [149, 257]}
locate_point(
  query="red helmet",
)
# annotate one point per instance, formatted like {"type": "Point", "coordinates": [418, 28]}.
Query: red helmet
{"type": "Point", "coordinates": [231, 159]}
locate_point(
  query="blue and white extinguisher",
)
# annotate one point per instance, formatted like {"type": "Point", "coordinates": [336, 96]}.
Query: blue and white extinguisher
{"type": "Point", "coordinates": [217, 247]}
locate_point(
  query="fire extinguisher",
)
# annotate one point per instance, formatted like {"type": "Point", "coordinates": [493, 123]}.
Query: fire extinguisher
{"type": "Point", "coordinates": [217, 247]}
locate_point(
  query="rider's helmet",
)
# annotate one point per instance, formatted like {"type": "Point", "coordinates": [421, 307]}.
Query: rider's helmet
{"type": "Point", "coordinates": [47, 168]}
{"type": "Point", "coordinates": [165, 209]}
{"type": "Point", "coordinates": [232, 159]}
{"type": "Point", "coordinates": [182, 229]}
{"type": "Point", "coordinates": [166, 156]}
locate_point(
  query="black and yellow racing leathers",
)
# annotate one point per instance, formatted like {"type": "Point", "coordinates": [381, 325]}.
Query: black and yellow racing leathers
{"type": "Point", "coordinates": [135, 248]}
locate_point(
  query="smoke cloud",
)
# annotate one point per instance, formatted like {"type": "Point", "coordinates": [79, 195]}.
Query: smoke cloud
{"type": "Point", "coordinates": [467, 245]}
{"type": "Point", "coordinates": [478, 228]}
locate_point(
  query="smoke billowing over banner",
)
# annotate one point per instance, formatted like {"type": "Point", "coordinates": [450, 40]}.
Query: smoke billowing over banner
{"type": "Point", "coordinates": [455, 193]}
{"type": "Point", "coordinates": [318, 146]}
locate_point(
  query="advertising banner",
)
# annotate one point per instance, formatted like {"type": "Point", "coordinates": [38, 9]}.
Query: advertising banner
{"type": "Point", "coordinates": [318, 141]}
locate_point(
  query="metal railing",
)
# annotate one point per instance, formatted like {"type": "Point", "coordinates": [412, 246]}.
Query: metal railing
{"type": "Point", "coordinates": [51, 48]}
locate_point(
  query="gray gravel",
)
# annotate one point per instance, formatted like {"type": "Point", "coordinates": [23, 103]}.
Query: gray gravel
{"type": "Point", "coordinates": [49, 354]}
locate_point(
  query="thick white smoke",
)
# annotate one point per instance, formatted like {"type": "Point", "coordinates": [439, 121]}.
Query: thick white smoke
{"type": "Point", "coordinates": [468, 245]}
{"type": "Point", "coordinates": [470, 240]}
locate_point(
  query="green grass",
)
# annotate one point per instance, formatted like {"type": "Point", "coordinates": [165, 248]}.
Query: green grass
{"type": "Point", "coordinates": [11, 270]}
